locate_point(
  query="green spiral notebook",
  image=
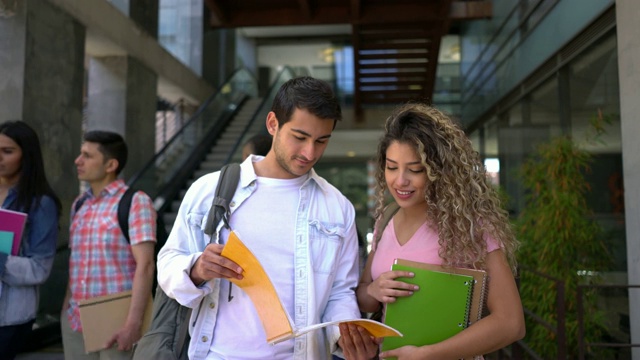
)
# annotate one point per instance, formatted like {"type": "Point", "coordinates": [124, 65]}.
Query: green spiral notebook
{"type": "Point", "coordinates": [439, 310]}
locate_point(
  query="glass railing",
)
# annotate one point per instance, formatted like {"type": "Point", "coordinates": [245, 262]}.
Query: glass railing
{"type": "Point", "coordinates": [206, 125]}
{"type": "Point", "coordinates": [257, 123]}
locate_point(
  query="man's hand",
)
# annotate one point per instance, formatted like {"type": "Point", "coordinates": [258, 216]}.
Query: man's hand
{"type": "Point", "coordinates": [356, 343]}
{"type": "Point", "coordinates": [211, 265]}
{"type": "Point", "coordinates": [125, 338]}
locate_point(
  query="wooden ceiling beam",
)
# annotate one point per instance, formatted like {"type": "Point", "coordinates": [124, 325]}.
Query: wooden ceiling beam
{"type": "Point", "coordinates": [394, 83]}
{"type": "Point", "coordinates": [391, 12]}
{"type": "Point", "coordinates": [395, 74]}
{"type": "Point", "coordinates": [391, 46]}
{"type": "Point", "coordinates": [286, 16]}
{"type": "Point", "coordinates": [396, 67]}
{"type": "Point", "coordinates": [355, 10]}
{"type": "Point", "coordinates": [337, 14]}
{"type": "Point", "coordinates": [395, 55]}
{"type": "Point", "coordinates": [217, 17]}
{"type": "Point", "coordinates": [305, 8]}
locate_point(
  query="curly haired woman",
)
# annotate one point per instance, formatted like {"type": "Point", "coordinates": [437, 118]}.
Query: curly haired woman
{"type": "Point", "coordinates": [450, 215]}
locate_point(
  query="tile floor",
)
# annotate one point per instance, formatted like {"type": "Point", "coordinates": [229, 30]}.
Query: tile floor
{"type": "Point", "coordinates": [53, 352]}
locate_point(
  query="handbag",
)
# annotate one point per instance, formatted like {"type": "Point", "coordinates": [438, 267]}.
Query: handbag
{"type": "Point", "coordinates": [168, 336]}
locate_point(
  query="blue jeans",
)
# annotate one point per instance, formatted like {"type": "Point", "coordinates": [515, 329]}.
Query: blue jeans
{"type": "Point", "coordinates": [12, 338]}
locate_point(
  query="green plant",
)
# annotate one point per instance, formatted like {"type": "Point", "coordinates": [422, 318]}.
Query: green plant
{"type": "Point", "coordinates": [560, 239]}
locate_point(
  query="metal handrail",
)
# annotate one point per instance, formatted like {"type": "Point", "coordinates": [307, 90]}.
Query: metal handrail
{"type": "Point", "coordinates": [189, 124]}
{"type": "Point", "coordinates": [582, 344]}
{"type": "Point", "coordinates": [559, 328]}
{"type": "Point", "coordinates": [260, 114]}
{"type": "Point", "coordinates": [169, 163]}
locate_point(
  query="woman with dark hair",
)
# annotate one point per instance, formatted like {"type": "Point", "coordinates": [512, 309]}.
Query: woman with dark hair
{"type": "Point", "coordinates": [24, 188]}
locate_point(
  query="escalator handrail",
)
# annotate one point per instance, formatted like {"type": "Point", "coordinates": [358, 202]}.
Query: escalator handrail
{"type": "Point", "coordinates": [134, 178]}
{"type": "Point", "coordinates": [170, 189]}
{"type": "Point", "coordinates": [272, 88]}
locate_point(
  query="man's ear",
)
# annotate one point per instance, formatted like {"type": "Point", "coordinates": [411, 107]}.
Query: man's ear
{"type": "Point", "coordinates": [272, 123]}
{"type": "Point", "coordinates": [112, 165]}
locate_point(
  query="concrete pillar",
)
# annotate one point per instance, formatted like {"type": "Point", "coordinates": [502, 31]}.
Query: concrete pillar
{"type": "Point", "coordinates": [142, 99]}
{"type": "Point", "coordinates": [13, 31]}
{"type": "Point", "coordinates": [123, 94]}
{"type": "Point", "coordinates": [218, 55]}
{"type": "Point", "coordinates": [122, 97]}
{"type": "Point", "coordinates": [41, 83]}
{"type": "Point", "coordinates": [627, 14]}
{"type": "Point", "coordinates": [142, 93]}
{"type": "Point", "coordinates": [107, 88]}
{"type": "Point", "coordinates": [145, 14]}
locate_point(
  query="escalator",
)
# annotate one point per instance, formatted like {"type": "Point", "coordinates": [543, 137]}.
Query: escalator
{"type": "Point", "coordinates": [249, 121]}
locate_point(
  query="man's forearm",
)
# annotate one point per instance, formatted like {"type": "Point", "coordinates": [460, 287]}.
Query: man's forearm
{"type": "Point", "coordinates": [141, 291]}
{"type": "Point", "coordinates": [67, 296]}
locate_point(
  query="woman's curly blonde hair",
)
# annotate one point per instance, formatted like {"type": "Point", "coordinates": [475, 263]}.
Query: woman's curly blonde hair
{"type": "Point", "coordinates": [461, 202]}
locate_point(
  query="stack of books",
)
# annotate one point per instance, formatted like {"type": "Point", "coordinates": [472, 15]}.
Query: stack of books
{"type": "Point", "coordinates": [11, 229]}
{"type": "Point", "coordinates": [449, 300]}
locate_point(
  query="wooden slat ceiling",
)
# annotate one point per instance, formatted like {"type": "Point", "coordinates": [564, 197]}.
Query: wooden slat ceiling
{"type": "Point", "coordinates": [240, 13]}
{"type": "Point", "coordinates": [395, 42]}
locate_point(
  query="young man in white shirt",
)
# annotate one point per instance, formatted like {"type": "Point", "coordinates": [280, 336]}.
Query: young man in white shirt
{"type": "Point", "coordinates": [300, 228]}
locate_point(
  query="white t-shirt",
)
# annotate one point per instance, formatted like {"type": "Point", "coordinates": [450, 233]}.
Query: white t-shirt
{"type": "Point", "coordinates": [265, 223]}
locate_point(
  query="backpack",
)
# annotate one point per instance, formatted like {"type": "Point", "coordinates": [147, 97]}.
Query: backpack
{"type": "Point", "coordinates": [124, 207]}
{"type": "Point", "coordinates": [168, 336]}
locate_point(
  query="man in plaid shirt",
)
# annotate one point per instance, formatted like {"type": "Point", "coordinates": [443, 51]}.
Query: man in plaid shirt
{"type": "Point", "coordinates": [102, 262]}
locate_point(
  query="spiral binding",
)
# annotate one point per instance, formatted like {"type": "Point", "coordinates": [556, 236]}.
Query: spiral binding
{"type": "Point", "coordinates": [467, 311]}
{"type": "Point", "coordinates": [483, 297]}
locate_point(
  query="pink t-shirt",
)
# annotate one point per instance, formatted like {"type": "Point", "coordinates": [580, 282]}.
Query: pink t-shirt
{"type": "Point", "coordinates": [422, 246]}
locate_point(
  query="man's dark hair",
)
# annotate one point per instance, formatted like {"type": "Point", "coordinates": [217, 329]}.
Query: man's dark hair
{"type": "Point", "coordinates": [309, 94]}
{"type": "Point", "coordinates": [111, 145]}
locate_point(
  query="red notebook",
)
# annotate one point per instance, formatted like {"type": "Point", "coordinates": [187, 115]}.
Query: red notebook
{"type": "Point", "coordinates": [11, 228]}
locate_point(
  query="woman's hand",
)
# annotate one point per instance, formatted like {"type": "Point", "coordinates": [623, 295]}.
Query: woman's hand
{"type": "Point", "coordinates": [407, 352]}
{"type": "Point", "coordinates": [386, 288]}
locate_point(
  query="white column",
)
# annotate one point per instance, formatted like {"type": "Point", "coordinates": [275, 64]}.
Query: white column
{"type": "Point", "coordinates": [13, 37]}
{"type": "Point", "coordinates": [122, 98]}
{"type": "Point", "coordinates": [107, 91]}
{"type": "Point", "coordinates": [627, 14]}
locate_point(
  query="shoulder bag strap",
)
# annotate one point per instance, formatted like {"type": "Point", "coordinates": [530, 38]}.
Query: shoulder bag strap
{"type": "Point", "coordinates": [124, 207]}
{"type": "Point", "coordinates": [387, 214]}
{"type": "Point", "coordinates": [226, 188]}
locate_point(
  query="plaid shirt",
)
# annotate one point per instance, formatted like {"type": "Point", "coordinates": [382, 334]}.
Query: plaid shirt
{"type": "Point", "coordinates": [101, 260]}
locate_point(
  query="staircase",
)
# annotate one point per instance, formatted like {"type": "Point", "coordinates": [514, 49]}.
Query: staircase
{"type": "Point", "coordinates": [220, 152]}
{"type": "Point", "coordinates": [394, 63]}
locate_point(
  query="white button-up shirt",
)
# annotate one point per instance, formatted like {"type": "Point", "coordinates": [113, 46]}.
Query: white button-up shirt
{"type": "Point", "coordinates": [326, 266]}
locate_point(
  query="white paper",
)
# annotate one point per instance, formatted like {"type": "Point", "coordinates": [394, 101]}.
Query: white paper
{"type": "Point", "coordinates": [304, 330]}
